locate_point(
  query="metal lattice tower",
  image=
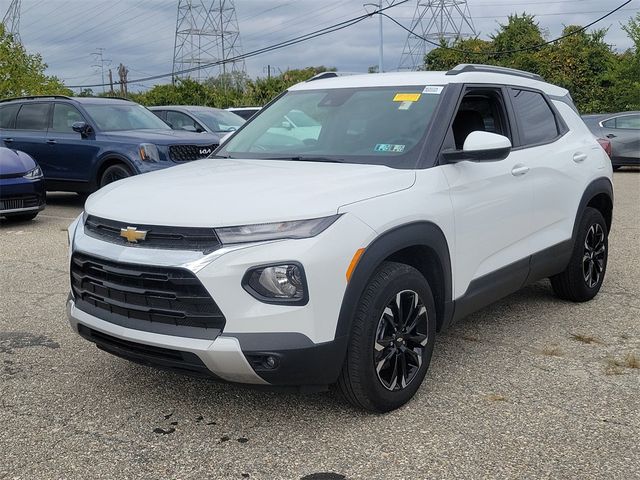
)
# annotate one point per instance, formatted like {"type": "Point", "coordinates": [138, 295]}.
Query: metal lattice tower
{"type": "Point", "coordinates": [435, 20]}
{"type": "Point", "coordinates": [206, 31]}
{"type": "Point", "coordinates": [11, 19]}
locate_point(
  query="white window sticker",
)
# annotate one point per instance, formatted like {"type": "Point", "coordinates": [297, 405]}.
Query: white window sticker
{"type": "Point", "coordinates": [433, 90]}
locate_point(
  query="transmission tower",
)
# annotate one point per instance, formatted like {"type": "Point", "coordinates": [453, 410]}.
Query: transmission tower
{"type": "Point", "coordinates": [435, 20]}
{"type": "Point", "coordinates": [11, 19]}
{"type": "Point", "coordinates": [206, 32]}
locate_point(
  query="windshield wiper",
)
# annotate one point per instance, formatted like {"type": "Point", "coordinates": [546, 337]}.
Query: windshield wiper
{"type": "Point", "coordinates": [307, 159]}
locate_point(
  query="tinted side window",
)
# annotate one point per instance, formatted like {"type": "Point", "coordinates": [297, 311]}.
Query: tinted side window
{"type": "Point", "coordinates": [628, 121]}
{"type": "Point", "coordinates": [179, 120]}
{"type": "Point", "coordinates": [611, 123]}
{"type": "Point", "coordinates": [8, 115]}
{"type": "Point", "coordinates": [33, 116]}
{"type": "Point", "coordinates": [64, 116]}
{"type": "Point", "coordinates": [535, 117]}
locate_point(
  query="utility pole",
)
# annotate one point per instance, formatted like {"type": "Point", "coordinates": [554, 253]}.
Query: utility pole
{"type": "Point", "coordinates": [381, 38]}
{"type": "Point", "coordinates": [111, 83]}
{"type": "Point", "coordinates": [99, 57]}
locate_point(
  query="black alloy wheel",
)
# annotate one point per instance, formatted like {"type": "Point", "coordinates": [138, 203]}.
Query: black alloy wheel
{"type": "Point", "coordinates": [401, 336]}
{"type": "Point", "coordinates": [593, 258]}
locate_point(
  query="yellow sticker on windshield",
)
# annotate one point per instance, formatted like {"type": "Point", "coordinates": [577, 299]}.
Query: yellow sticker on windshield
{"type": "Point", "coordinates": [406, 97]}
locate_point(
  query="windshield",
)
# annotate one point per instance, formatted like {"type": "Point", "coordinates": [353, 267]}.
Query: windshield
{"type": "Point", "coordinates": [380, 125]}
{"type": "Point", "coordinates": [219, 121]}
{"type": "Point", "coordinates": [113, 117]}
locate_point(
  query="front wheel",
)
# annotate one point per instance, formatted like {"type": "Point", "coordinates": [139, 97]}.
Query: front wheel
{"type": "Point", "coordinates": [392, 339]}
{"type": "Point", "coordinates": [583, 277]}
{"type": "Point", "coordinates": [113, 174]}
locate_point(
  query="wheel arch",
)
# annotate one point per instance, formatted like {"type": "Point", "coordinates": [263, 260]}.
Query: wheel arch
{"type": "Point", "coordinates": [108, 160]}
{"type": "Point", "coordinates": [598, 195]}
{"type": "Point", "coordinates": [421, 245]}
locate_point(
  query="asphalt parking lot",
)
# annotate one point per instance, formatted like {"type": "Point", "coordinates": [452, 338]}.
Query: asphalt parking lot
{"type": "Point", "coordinates": [531, 387]}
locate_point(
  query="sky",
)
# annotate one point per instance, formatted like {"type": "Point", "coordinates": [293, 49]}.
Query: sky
{"type": "Point", "coordinates": [140, 33]}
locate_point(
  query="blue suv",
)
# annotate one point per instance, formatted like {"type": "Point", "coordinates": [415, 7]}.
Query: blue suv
{"type": "Point", "coordinates": [84, 143]}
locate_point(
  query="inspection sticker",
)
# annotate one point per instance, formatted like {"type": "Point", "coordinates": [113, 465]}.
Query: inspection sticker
{"type": "Point", "coordinates": [406, 97]}
{"type": "Point", "coordinates": [389, 147]}
{"type": "Point", "coordinates": [432, 90]}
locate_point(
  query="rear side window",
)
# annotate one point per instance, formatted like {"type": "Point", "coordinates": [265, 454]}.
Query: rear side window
{"type": "Point", "coordinates": [536, 120]}
{"type": "Point", "coordinates": [8, 115]}
{"type": "Point", "coordinates": [626, 121]}
{"type": "Point", "coordinates": [33, 116]}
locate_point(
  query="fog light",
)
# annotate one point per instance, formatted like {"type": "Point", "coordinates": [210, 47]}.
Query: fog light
{"type": "Point", "coordinates": [270, 362]}
{"type": "Point", "coordinates": [283, 283]}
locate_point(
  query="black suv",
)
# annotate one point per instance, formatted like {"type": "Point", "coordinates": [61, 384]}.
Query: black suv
{"type": "Point", "coordinates": [84, 143]}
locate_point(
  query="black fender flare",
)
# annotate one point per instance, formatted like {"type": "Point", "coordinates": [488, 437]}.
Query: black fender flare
{"type": "Point", "coordinates": [596, 187]}
{"type": "Point", "coordinates": [421, 233]}
{"type": "Point", "coordinates": [110, 157]}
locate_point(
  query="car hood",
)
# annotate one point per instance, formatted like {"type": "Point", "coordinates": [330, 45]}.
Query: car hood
{"type": "Point", "coordinates": [164, 137]}
{"type": "Point", "coordinates": [222, 192]}
{"type": "Point", "coordinates": [14, 162]}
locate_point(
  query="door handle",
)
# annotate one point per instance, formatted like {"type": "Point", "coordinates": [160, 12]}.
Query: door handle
{"type": "Point", "coordinates": [8, 140]}
{"type": "Point", "coordinates": [610, 135]}
{"type": "Point", "coordinates": [579, 157]}
{"type": "Point", "coordinates": [519, 170]}
{"type": "Point", "coordinates": [51, 141]}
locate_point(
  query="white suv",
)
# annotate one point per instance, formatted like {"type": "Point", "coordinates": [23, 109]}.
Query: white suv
{"type": "Point", "coordinates": [335, 259]}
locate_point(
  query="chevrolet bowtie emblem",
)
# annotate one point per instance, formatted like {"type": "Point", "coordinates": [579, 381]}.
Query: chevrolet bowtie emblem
{"type": "Point", "coordinates": [132, 234]}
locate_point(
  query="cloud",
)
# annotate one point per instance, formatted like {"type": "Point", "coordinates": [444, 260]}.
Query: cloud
{"type": "Point", "coordinates": [140, 33]}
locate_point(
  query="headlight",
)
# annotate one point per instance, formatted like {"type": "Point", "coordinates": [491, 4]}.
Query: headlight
{"type": "Point", "coordinates": [275, 231]}
{"type": "Point", "coordinates": [280, 284]}
{"type": "Point", "coordinates": [148, 152]}
{"type": "Point", "coordinates": [34, 174]}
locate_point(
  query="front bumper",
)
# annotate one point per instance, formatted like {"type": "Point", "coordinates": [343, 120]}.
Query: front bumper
{"type": "Point", "coordinates": [30, 194]}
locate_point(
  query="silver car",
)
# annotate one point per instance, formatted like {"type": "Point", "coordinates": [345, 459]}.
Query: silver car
{"type": "Point", "coordinates": [199, 119]}
{"type": "Point", "coordinates": [623, 131]}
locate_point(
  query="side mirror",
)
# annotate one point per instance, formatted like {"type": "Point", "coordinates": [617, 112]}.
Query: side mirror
{"type": "Point", "coordinates": [83, 128]}
{"type": "Point", "coordinates": [481, 146]}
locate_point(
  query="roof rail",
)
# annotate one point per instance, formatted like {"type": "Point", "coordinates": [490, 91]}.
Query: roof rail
{"type": "Point", "coordinates": [32, 97]}
{"type": "Point", "coordinates": [471, 67]}
{"type": "Point", "coordinates": [323, 75]}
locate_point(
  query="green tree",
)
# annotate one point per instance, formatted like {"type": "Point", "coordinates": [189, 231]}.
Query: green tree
{"type": "Point", "coordinates": [22, 73]}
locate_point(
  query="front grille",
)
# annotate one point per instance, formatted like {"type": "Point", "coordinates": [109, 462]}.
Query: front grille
{"type": "Point", "coordinates": [164, 300]}
{"type": "Point", "coordinates": [29, 201]}
{"type": "Point", "coordinates": [164, 358]}
{"type": "Point", "coordinates": [182, 238]}
{"type": "Point", "coordinates": [186, 153]}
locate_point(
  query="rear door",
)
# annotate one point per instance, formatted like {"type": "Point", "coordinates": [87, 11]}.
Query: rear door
{"type": "Point", "coordinates": [492, 200]}
{"type": "Point", "coordinates": [624, 133]}
{"type": "Point", "coordinates": [69, 156]}
{"type": "Point", "coordinates": [29, 130]}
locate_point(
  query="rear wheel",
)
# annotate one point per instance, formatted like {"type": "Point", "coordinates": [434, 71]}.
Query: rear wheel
{"type": "Point", "coordinates": [392, 339]}
{"type": "Point", "coordinates": [583, 277]}
{"type": "Point", "coordinates": [113, 174]}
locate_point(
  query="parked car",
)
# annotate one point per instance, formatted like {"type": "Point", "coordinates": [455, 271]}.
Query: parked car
{"type": "Point", "coordinates": [84, 143]}
{"type": "Point", "coordinates": [22, 194]}
{"type": "Point", "coordinates": [199, 119]}
{"type": "Point", "coordinates": [336, 259]}
{"type": "Point", "coordinates": [623, 131]}
{"type": "Point", "coordinates": [245, 112]}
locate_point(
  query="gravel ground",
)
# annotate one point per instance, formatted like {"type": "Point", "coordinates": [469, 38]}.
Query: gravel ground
{"type": "Point", "coordinates": [530, 387]}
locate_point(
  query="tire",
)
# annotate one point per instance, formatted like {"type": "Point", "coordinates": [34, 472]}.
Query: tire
{"type": "Point", "coordinates": [360, 382]}
{"type": "Point", "coordinates": [22, 217]}
{"type": "Point", "coordinates": [582, 279]}
{"type": "Point", "coordinates": [114, 173]}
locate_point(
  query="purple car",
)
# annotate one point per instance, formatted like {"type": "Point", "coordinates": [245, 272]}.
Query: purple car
{"type": "Point", "coordinates": [22, 193]}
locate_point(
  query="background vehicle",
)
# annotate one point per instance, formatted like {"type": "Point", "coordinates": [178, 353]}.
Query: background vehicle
{"type": "Point", "coordinates": [335, 258]}
{"type": "Point", "coordinates": [199, 119]}
{"type": "Point", "coordinates": [22, 193]}
{"type": "Point", "coordinates": [623, 131]}
{"type": "Point", "coordinates": [83, 143]}
{"type": "Point", "coordinates": [245, 112]}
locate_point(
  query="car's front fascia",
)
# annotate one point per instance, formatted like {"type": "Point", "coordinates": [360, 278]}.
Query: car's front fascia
{"type": "Point", "coordinates": [22, 190]}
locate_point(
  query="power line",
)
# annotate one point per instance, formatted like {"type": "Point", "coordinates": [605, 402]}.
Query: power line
{"type": "Point", "coordinates": [504, 52]}
{"type": "Point", "coordinates": [293, 41]}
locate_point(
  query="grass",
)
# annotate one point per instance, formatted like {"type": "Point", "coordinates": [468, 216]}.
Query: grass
{"type": "Point", "coordinates": [588, 339]}
{"type": "Point", "coordinates": [551, 351]}
{"type": "Point", "coordinates": [616, 366]}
